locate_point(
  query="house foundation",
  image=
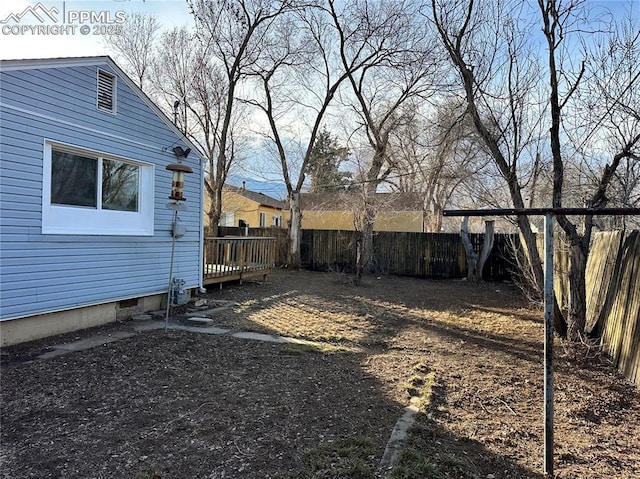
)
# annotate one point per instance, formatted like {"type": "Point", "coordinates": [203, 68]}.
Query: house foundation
{"type": "Point", "coordinates": [20, 330]}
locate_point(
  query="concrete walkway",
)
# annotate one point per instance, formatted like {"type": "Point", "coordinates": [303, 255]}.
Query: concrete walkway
{"type": "Point", "coordinates": [139, 327]}
{"type": "Point", "coordinates": [87, 343]}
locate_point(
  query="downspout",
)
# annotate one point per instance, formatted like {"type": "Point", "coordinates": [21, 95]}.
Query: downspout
{"type": "Point", "coordinates": [201, 288]}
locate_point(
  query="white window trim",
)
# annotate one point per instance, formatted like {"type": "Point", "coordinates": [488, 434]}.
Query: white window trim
{"type": "Point", "coordinates": [77, 220]}
{"type": "Point", "coordinates": [227, 218]}
{"type": "Point", "coordinates": [114, 93]}
{"type": "Point", "coordinates": [262, 219]}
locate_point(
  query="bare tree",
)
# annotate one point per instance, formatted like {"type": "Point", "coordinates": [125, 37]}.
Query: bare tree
{"type": "Point", "coordinates": [476, 260]}
{"type": "Point", "coordinates": [183, 78]}
{"type": "Point", "coordinates": [189, 81]}
{"type": "Point", "coordinates": [620, 118]}
{"type": "Point", "coordinates": [173, 70]}
{"type": "Point", "coordinates": [609, 103]}
{"type": "Point", "coordinates": [440, 157]}
{"type": "Point", "coordinates": [501, 75]}
{"type": "Point", "coordinates": [233, 37]}
{"type": "Point", "coordinates": [498, 81]}
{"type": "Point", "coordinates": [134, 45]}
{"type": "Point", "coordinates": [397, 66]}
{"type": "Point", "coordinates": [299, 75]}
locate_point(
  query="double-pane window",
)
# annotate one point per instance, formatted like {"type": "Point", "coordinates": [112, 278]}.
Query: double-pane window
{"type": "Point", "coordinates": [79, 180]}
{"type": "Point", "coordinates": [90, 193]}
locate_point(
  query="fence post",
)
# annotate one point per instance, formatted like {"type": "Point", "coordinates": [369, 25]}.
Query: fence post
{"type": "Point", "coordinates": [548, 345]}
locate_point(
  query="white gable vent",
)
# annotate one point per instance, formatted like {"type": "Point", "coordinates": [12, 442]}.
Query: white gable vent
{"type": "Point", "coordinates": [106, 92]}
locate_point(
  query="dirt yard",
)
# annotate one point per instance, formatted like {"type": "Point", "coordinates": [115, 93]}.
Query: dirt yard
{"type": "Point", "coordinates": [189, 405]}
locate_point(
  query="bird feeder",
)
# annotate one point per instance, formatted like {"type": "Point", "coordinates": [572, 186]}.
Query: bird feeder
{"type": "Point", "coordinates": [178, 170]}
{"type": "Point", "coordinates": [177, 180]}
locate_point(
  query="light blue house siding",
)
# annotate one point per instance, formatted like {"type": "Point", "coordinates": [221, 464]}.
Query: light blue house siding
{"type": "Point", "coordinates": [53, 102]}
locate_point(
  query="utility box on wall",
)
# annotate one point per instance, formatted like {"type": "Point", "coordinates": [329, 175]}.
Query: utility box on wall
{"type": "Point", "coordinates": [179, 295]}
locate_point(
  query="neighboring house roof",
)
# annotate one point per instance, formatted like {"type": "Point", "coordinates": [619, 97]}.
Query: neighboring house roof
{"type": "Point", "coordinates": [347, 201]}
{"type": "Point", "coordinates": [259, 198]}
{"type": "Point", "coordinates": [39, 63]}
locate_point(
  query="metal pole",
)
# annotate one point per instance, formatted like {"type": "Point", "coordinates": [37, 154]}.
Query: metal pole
{"type": "Point", "coordinates": [548, 345]}
{"type": "Point", "coordinates": [173, 248]}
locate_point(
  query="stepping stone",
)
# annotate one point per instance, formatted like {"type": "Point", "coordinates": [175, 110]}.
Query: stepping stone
{"type": "Point", "coordinates": [258, 337]}
{"type": "Point", "coordinates": [87, 343]}
{"type": "Point", "coordinates": [200, 321]}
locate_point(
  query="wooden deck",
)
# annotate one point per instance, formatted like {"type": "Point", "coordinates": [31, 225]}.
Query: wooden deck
{"type": "Point", "coordinates": [232, 258]}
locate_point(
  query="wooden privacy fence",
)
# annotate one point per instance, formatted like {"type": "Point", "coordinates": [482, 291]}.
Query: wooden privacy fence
{"type": "Point", "coordinates": [236, 258]}
{"type": "Point", "coordinates": [424, 255]}
{"type": "Point", "coordinates": [613, 298]}
{"type": "Point", "coordinates": [612, 290]}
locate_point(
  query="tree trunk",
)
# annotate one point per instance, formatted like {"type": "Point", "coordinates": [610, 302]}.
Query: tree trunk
{"type": "Point", "coordinates": [475, 261]}
{"type": "Point", "coordinates": [531, 252]}
{"type": "Point", "coordinates": [214, 221]}
{"type": "Point", "coordinates": [364, 242]}
{"type": "Point", "coordinates": [214, 213]}
{"type": "Point", "coordinates": [576, 315]}
{"type": "Point", "coordinates": [364, 257]}
{"type": "Point", "coordinates": [295, 229]}
{"type": "Point", "coordinates": [432, 218]}
{"type": "Point", "coordinates": [487, 246]}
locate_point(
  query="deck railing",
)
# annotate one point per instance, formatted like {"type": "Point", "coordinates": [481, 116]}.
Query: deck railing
{"type": "Point", "coordinates": [236, 258]}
